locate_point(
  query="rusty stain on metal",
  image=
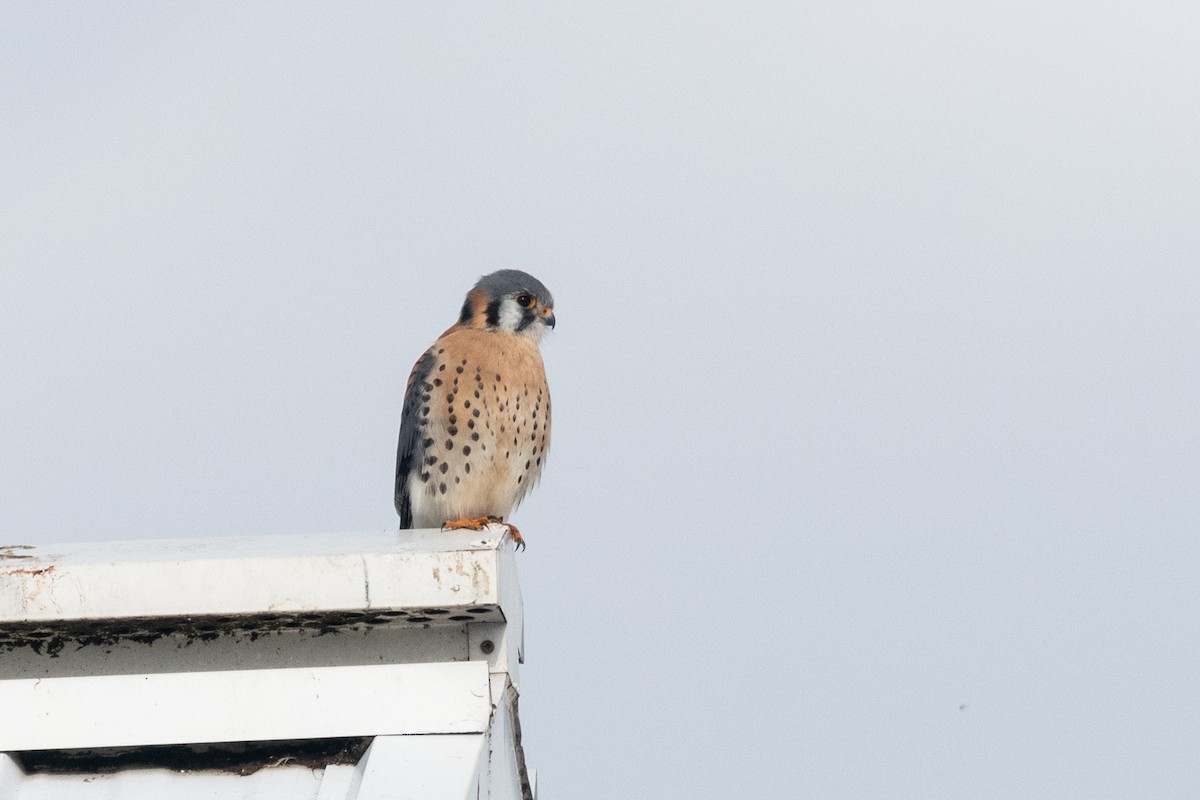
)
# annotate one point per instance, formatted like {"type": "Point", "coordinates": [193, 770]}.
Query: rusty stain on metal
{"type": "Point", "coordinates": [482, 580]}
{"type": "Point", "coordinates": [30, 571]}
{"type": "Point", "coordinates": [6, 551]}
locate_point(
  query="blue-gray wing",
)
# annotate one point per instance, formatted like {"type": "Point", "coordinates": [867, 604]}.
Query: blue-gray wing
{"type": "Point", "coordinates": [409, 451]}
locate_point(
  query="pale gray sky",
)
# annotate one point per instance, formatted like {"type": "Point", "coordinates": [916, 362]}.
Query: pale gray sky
{"type": "Point", "coordinates": [875, 376]}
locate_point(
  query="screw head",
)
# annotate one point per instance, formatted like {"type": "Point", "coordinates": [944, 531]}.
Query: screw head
{"type": "Point", "coordinates": [487, 646]}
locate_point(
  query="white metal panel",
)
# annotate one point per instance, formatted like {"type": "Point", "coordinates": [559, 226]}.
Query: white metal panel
{"type": "Point", "coordinates": [426, 768]}
{"type": "Point", "coordinates": [340, 782]}
{"type": "Point", "coordinates": [504, 767]}
{"type": "Point", "coordinates": [11, 776]}
{"type": "Point", "coordinates": [252, 575]}
{"type": "Point", "coordinates": [249, 705]}
{"type": "Point", "coordinates": [131, 644]}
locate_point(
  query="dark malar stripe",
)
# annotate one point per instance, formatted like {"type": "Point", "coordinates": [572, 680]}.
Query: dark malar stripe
{"type": "Point", "coordinates": [526, 321]}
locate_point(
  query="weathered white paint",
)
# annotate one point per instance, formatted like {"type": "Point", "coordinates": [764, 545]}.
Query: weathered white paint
{"type": "Point", "coordinates": [11, 776]}
{"type": "Point", "coordinates": [285, 638]}
{"type": "Point", "coordinates": [341, 782]}
{"type": "Point", "coordinates": [244, 705]}
{"type": "Point", "coordinates": [404, 569]}
{"type": "Point", "coordinates": [504, 767]}
{"type": "Point", "coordinates": [425, 768]}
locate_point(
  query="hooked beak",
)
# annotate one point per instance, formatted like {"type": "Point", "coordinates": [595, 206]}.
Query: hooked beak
{"type": "Point", "coordinates": [548, 317]}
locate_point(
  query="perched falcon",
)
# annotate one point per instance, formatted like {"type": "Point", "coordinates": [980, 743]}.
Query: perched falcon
{"type": "Point", "coordinates": [476, 420]}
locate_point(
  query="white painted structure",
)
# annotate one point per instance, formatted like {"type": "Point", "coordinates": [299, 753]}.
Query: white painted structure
{"type": "Point", "coordinates": [331, 667]}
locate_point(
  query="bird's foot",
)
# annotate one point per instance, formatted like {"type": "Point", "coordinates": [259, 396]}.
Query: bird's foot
{"type": "Point", "coordinates": [518, 541]}
{"type": "Point", "coordinates": [478, 524]}
{"type": "Point", "coordinates": [468, 523]}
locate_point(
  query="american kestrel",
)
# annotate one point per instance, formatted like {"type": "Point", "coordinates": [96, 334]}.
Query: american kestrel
{"type": "Point", "coordinates": [476, 419]}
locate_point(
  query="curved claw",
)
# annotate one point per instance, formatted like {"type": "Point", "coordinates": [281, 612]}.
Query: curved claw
{"type": "Point", "coordinates": [478, 524]}
{"type": "Point", "coordinates": [518, 540]}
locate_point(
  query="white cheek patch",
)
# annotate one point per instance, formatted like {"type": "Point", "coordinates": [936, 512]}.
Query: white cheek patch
{"type": "Point", "coordinates": [510, 315]}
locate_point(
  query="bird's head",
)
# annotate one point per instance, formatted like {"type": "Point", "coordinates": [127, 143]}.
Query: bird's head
{"type": "Point", "coordinates": [510, 301]}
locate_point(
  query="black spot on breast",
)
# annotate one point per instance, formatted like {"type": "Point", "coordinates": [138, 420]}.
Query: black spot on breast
{"type": "Point", "coordinates": [459, 369]}
{"type": "Point", "coordinates": [437, 381]}
{"type": "Point", "coordinates": [453, 430]}
{"type": "Point", "coordinates": [474, 437]}
{"type": "Point", "coordinates": [424, 477]}
{"type": "Point", "coordinates": [444, 467]}
{"type": "Point", "coordinates": [466, 449]}
{"type": "Point", "coordinates": [427, 443]}
{"type": "Point", "coordinates": [442, 488]}
{"type": "Point", "coordinates": [431, 460]}
{"type": "Point", "coordinates": [449, 444]}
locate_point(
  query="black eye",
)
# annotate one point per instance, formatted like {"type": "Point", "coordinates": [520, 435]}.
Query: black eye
{"type": "Point", "coordinates": [524, 300]}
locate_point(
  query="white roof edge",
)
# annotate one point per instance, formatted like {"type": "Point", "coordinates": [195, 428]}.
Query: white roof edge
{"type": "Point", "coordinates": [254, 575]}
